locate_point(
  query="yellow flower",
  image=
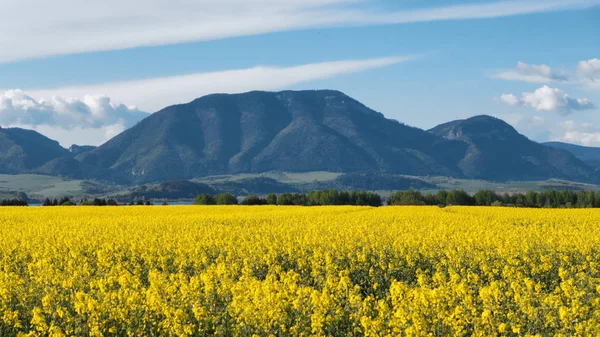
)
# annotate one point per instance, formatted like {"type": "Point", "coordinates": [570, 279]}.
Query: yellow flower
{"type": "Point", "coordinates": [300, 271]}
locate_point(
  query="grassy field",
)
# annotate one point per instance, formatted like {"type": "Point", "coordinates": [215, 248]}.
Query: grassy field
{"type": "Point", "coordinates": [473, 186]}
{"type": "Point", "coordinates": [299, 271]}
{"type": "Point", "coordinates": [40, 186]}
{"type": "Point", "coordinates": [447, 183]}
{"type": "Point", "coordinates": [282, 177]}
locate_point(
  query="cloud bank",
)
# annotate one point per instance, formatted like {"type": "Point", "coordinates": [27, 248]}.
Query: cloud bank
{"type": "Point", "coordinates": [91, 120]}
{"type": "Point", "coordinates": [548, 99]}
{"type": "Point", "coordinates": [18, 108]}
{"type": "Point", "coordinates": [66, 26]}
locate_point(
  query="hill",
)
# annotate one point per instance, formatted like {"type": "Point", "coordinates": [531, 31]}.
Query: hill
{"type": "Point", "coordinates": [496, 151]}
{"type": "Point", "coordinates": [23, 150]}
{"type": "Point", "coordinates": [298, 132]}
{"type": "Point", "coordinates": [263, 131]}
{"type": "Point", "coordinates": [589, 155]}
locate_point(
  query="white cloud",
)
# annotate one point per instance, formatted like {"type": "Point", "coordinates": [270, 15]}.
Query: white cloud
{"type": "Point", "coordinates": [76, 135]}
{"type": "Point", "coordinates": [91, 120]}
{"type": "Point", "coordinates": [579, 133]}
{"type": "Point", "coordinates": [552, 129]}
{"type": "Point", "coordinates": [16, 107]}
{"type": "Point", "coordinates": [582, 138]}
{"type": "Point", "coordinates": [69, 26]}
{"type": "Point", "coordinates": [589, 69]}
{"type": "Point", "coordinates": [510, 99]}
{"type": "Point", "coordinates": [155, 94]}
{"type": "Point", "coordinates": [515, 119]}
{"type": "Point", "coordinates": [548, 99]}
{"type": "Point", "coordinates": [531, 73]}
{"type": "Point", "coordinates": [589, 73]}
{"type": "Point", "coordinates": [534, 127]}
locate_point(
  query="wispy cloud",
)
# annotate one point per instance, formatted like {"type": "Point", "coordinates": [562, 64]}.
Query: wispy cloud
{"type": "Point", "coordinates": [65, 26]}
{"type": "Point", "coordinates": [154, 94]}
{"type": "Point", "coordinates": [531, 73]}
{"type": "Point", "coordinates": [587, 74]}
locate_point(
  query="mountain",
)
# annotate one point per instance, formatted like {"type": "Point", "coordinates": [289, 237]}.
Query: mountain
{"type": "Point", "coordinates": [23, 150]}
{"type": "Point", "coordinates": [255, 132]}
{"type": "Point", "coordinates": [589, 155]}
{"type": "Point", "coordinates": [27, 151]}
{"type": "Point", "coordinates": [69, 167]}
{"type": "Point", "coordinates": [293, 131]}
{"type": "Point", "coordinates": [496, 151]}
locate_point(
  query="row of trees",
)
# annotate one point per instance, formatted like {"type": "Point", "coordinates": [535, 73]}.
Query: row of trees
{"type": "Point", "coordinates": [219, 199]}
{"type": "Point", "coordinates": [312, 198]}
{"type": "Point", "coordinates": [332, 197]}
{"type": "Point", "coordinates": [230, 199]}
{"type": "Point", "coordinates": [58, 202]}
{"type": "Point", "coordinates": [91, 202]}
{"type": "Point", "coordinates": [546, 199]}
{"type": "Point", "coordinates": [441, 198]}
{"type": "Point", "coordinates": [13, 202]}
{"type": "Point", "coordinates": [99, 202]}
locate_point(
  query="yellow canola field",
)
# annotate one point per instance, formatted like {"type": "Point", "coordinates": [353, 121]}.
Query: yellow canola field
{"type": "Point", "coordinates": [299, 271]}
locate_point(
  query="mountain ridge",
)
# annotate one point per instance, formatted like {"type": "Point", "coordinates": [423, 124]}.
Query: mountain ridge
{"type": "Point", "coordinates": [263, 131]}
{"type": "Point", "coordinates": [22, 150]}
{"type": "Point", "coordinates": [496, 149]}
{"type": "Point", "coordinates": [588, 154]}
{"type": "Point", "coordinates": [302, 131]}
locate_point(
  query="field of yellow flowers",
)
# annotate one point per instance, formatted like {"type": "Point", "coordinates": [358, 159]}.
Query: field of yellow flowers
{"type": "Point", "coordinates": [299, 271]}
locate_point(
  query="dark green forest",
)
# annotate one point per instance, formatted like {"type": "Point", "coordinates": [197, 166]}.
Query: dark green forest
{"type": "Point", "coordinates": [546, 199]}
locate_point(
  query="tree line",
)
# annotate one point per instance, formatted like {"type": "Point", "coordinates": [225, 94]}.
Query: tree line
{"type": "Point", "coordinates": [65, 201]}
{"type": "Point", "coordinates": [13, 202]}
{"type": "Point", "coordinates": [312, 198]}
{"type": "Point", "coordinates": [546, 199]}
{"type": "Point", "coordinates": [531, 199]}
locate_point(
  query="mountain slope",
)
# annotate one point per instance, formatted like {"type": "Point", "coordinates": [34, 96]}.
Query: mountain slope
{"type": "Point", "coordinates": [496, 151]}
{"type": "Point", "coordinates": [23, 150]}
{"type": "Point", "coordinates": [292, 131]}
{"type": "Point", "coordinates": [79, 149]}
{"type": "Point", "coordinates": [263, 131]}
{"type": "Point", "coordinates": [589, 155]}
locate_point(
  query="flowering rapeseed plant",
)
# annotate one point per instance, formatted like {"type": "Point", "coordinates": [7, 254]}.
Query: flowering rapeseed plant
{"type": "Point", "coordinates": [286, 271]}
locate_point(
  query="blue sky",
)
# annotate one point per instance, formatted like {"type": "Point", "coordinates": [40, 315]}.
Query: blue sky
{"type": "Point", "coordinates": [87, 72]}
